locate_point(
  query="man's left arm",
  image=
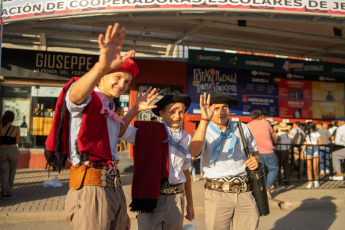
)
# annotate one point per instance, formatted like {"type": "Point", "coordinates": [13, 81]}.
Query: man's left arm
{"type": "Point", "coordinates": [142, 103]}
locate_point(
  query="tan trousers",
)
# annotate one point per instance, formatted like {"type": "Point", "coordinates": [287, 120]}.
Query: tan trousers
{"type": "Point", "coordinates": [9, 157]}
{"type": "Point", "coordinates": [225, 211]}
{"type": "Point", "coordinates": [168, 214]}
{"type": "Point", "coordinates": [94, 207]}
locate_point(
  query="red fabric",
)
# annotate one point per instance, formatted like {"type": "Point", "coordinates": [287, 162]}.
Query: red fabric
{"type": "Point", "coordinates": [93, 137]}
{"type": "Point", "coordinates": [51, 139]}
{"type": "Point", "coordinates": [129, 66]}
{"type": "Point", "coordinates": [151, 159]}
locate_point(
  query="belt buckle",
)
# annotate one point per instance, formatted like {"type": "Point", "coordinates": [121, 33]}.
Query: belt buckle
{"type": "Point", "coordinates": [171, 190]}
{"type": "Point", "coordinates": [104, 178]}
{"type": "Point", "coordinates": [236, 188]}
{"type": "Point", "coordinates": [226, 187]}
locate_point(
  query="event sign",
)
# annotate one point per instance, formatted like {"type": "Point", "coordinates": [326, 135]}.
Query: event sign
{"type": "Point", "coordinates": [19, 9]}
{"type": "Point", "coordinates": [328, 98]}
{"type": "Point", "coordinates": [278, 87]}
{"type": "Point", "coordinates": [295, 98]}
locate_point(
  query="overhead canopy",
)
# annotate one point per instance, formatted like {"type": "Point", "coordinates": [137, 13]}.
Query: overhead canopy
{"type": "Point", "coordinates": [298, 28]}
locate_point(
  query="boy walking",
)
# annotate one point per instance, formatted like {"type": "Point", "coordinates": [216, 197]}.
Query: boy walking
{"type": "Point", "coordinates": [161, 175]}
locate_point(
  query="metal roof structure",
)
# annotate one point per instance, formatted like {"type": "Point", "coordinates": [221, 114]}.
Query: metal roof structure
{"type": "Point", "coordinates": [169, 33]}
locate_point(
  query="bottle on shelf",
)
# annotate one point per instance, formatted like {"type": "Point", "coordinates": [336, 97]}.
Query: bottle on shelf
{"type": "Point", "coordinates": [24, 128]}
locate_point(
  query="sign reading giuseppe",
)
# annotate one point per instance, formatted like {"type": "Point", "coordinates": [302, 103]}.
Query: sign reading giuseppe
{"type": "Point", "coordinates": [45, 64]}
{"type": "Point", "coordinates": [18, 9]}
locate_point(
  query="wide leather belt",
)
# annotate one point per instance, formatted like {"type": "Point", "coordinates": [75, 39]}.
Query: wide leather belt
{"type": "Point", "coordinates": [228, 187]}
{"type": "Point", "coordinates": [84, 176]}
{"type": "Point", "coordinates": [172, 189]}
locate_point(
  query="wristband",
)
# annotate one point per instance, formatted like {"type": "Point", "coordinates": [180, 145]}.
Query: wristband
{"type": "Point", "coordinates": [205, 119]}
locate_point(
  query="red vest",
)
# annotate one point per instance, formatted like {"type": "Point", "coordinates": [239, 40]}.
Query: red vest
{"type": "Point", "coordinates": [93, 137]}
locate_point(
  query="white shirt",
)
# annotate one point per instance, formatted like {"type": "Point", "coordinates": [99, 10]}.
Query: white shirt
{"type": "Point", "coordinates": [76, 113]}
{"type": "Point", "coordinates": [312, 138]}
{"type": "Point", "coordinates": [177, 160]}
{"type": "Point", "coordinates": [284, 141]}
{"type": "Point", "coordinates": [224, 166]}
{"type": "Point", "coordinates": [340, 136]}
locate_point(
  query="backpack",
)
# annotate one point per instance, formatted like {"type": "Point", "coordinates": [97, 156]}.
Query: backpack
{"type": "Point", "coordinates": [298, 139]}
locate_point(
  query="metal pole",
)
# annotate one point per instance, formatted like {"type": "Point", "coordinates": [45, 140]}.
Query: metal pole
{"type": "Point", "coordinates": [1, 32]}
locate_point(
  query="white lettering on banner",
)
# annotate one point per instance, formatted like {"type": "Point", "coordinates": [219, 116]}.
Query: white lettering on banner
{"type": "Point", "coordinates": [259, 63]}
{"type": "Point", "coordinates": [12, 8]}
{"type": "Point", "coordinates": [212, 80]}
{"type": "Point", "coordinates": [60, 61]}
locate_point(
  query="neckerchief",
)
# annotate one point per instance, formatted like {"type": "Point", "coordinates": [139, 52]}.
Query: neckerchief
{"type": "Point", "coordinates": [176, 143]}
{"type": "Point", "coordinates": [108, 112]}
{"type": "Point", "coordinates": [223, 135]}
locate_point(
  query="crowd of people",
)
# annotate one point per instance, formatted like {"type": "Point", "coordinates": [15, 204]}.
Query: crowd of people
{"type": "Point", "coordinates": [86, 130]}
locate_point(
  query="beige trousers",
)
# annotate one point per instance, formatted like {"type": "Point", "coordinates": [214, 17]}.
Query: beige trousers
{"type": "Point", "coordinates": [168, 214]}
{"type": "Point", "coordinates": [94, 207]}
{"type": "Point", "coordinates": [224, 211]}
{"type": "Point", "coordinates": [9, 157]}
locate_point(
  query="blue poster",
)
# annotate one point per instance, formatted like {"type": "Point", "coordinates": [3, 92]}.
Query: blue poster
{"type": "Point", "coordinates": [258, 90]}
{"type": "Point", "coordinates": [253, 89]}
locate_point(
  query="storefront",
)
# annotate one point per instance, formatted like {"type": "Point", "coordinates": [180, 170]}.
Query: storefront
{"type": "Point", "coordinates": [30, 88]}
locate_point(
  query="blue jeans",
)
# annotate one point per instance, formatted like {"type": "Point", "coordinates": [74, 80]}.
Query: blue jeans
{"type": "Point", "coordinates": [325, 153]}
{"type": "Point", "coordinates": [270, 162]}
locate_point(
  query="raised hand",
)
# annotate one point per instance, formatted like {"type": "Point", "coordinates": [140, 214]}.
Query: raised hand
{"type": "Point", "coordinates": [206, 109]}
{"type": "Point", "coordinates": [144, 100]}
{"type": "Point", "coordinates": [110, 49]}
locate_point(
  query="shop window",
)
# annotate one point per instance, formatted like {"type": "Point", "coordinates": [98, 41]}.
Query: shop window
{"type": "Point", "coordinates": [34, 110]}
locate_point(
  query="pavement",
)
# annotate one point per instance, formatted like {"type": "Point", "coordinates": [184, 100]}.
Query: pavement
{"type": "Point", "coordinates": [33, 202]}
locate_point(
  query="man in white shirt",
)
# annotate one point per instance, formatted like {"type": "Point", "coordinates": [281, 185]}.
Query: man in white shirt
{"type": "Point", "coordinates": [339, 155]}
{"type": "Point", "coordinates": [228, 204]}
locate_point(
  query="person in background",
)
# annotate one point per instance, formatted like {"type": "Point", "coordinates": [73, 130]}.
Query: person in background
{"type": "Point", "coordinates": [265, 139]}
{"type": "Point", "coordinates": [339, 154]}
{"type": "Point", "coordinates": [310, 152]}
{"type": "Point", "coordinates": [9, 154]}
{"type": "Point", "coordinates": [283, 147]}
{"type": "Point", "coordinates": [332, 130]}
{"type": "Point", "coordinates": [324, 150]}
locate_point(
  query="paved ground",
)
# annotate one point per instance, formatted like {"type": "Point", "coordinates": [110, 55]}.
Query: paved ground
{"type": "Point", "coordinates": [36, 207]}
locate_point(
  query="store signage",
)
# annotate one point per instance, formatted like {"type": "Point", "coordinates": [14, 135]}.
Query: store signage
{"type": "Point", "coordinates": [45, 64]}
{"type": "Point", "coordinates": [293, 68]}
{"type": "Point", "coordinates": [18, 9]}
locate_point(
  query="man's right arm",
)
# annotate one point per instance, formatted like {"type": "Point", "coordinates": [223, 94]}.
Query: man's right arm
{"type": "Point", "coordinates": [198, 139]}
{"type": "Point", "coordinates": [197, 143]}
{"type": "Point", "coordinates": [109, 59]}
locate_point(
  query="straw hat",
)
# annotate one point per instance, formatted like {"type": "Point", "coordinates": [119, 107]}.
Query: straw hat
{"type": "Point", "coordinates": [284, 126]}
{"type": "Point", "coordinates": [271, 121]}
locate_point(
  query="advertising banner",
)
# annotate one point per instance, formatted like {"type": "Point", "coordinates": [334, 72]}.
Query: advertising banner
{"type": "Point", "coordinates": [267, 84]}
{"type": "Point", "coordinates": [294, 69]}
{"type": "Point", "coordinates": [295, 98]}
{"type": "Point", "coordinates": [258, 90]}
{"type": "Point", "coordinates": [253, 89]}
{"type": "Point", "coordinates": [19, 9]}
{"type": "Point", "coordinates": [328, 100]}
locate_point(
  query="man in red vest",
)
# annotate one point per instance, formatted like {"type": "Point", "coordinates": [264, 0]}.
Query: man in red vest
{"type": "Point", "coordinates": [86, 130]}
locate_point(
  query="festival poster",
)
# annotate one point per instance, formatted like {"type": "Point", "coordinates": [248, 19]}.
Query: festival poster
{"type": "Point", "coordinates": [258, 91]}
{"type": "Point", "coordinates": [295, 98]}
{"type": "Point", "coordinates": [328, 100]}
{"type": "Point", "coordinates": [208, 79]}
